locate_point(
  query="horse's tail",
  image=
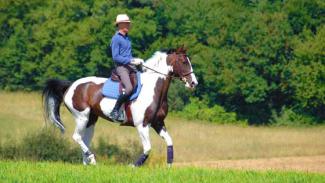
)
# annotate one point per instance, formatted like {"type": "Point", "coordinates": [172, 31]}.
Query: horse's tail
{"type": "Point", "coordinates": [53, 93]}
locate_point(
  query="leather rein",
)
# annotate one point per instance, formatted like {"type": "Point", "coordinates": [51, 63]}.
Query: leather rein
{"type": "Point", "coordinates": [170, 74]}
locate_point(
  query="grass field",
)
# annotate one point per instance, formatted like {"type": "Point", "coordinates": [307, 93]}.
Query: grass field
{"type": "Point", "coordinates": [195, 143]}
{"type": "Point", "coordinates": [59, 172]}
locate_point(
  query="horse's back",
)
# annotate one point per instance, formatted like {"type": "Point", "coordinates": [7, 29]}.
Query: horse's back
{"type": "Point", "coordinates": [84, 92]}
{"type": "Point", "coordinates": [93, 79]}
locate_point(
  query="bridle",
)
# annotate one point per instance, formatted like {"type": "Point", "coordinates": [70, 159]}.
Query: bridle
{"type": "Point", "coordinates": [182, 75]}
{"type": "Point", "coordinates": [171, 74]}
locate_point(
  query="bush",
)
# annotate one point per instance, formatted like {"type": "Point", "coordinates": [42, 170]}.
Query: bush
{"type": "Point", "coordinates": [9, 150]}
{"type": "Point", "coordinates": [116, 154]}
{"type": "Point", "coordinates": [197, 109]}
{"type": "Point", "coordinates": [50, 145]}
{"type": "Point", "coordinates": [288, 117]}
{"type": "Point", "coordinates": [45, 145]}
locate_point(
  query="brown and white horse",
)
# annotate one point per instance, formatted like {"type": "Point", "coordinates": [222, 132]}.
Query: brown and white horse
{"type": "Point", "coordinates": [85, 101]}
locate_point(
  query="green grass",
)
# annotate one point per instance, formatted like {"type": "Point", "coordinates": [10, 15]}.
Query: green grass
{"type": "Point", "coordinates": [60, 172]}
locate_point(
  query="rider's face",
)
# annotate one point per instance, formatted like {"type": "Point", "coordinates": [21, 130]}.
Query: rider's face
{"type": "Point", "coordinates": [124, 27]}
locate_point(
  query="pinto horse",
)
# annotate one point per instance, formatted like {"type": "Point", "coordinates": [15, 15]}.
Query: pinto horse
{"type": "Point", "coordinates": [85, 101]}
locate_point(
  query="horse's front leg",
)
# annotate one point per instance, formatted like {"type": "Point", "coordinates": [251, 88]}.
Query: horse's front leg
{"type": "Point", "coordinates": [144, 135]}
{"type": "Point", "coordinates": [162, 131]}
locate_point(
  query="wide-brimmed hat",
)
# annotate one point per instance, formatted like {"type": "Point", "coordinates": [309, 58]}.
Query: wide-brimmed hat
{"type": "Point", "coordinates": [122, 18]}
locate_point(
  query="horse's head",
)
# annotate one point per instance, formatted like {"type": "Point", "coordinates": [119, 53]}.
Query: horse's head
{"type": "Point", "coordinates": [182, 67]}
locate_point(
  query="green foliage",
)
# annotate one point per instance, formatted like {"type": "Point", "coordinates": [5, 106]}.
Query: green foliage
{"type": "Point", "coordinates": [178, 96]}
{"type": "Point", "coordinates": [251, 57]}
{"type": "Point", "coordinates": [45, 145]}
{"type": "Point", "coordinates": [49, 145]}
{"type": "Point", "coordinates": [288, 117]}
{"type": "Point", "coordinates": [306, 73]}
{"type": "Point", "coordinates": [117, 154]}
{"type": "Point", "coordinates": [197, 109]}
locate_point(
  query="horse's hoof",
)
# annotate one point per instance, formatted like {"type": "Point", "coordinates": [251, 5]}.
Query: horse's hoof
{"type": "Point", "coordinates": [169, 165]}
{"type": "Point", "coordinates": [90, 160]}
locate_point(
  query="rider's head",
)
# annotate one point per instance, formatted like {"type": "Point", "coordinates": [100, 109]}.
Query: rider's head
{"type": "Point", "coordinates": [123, 23]}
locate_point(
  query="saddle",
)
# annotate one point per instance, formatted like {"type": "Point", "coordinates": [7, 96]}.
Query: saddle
{"type": "Point", "coordinates": [114, 76]}
{"type": "Point", "coordinates": [112, 88]}
{"type": "Point", "coordinates": [117, 78]}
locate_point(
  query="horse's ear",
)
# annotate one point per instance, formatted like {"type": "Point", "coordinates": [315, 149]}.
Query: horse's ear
{"type": "Point", "coordinates": [184, 49]}
{"type": "Point", "coordinates": [181, 49]}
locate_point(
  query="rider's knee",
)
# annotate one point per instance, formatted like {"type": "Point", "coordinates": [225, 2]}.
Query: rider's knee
{"type": "Point", "coordinates": [128, 90]}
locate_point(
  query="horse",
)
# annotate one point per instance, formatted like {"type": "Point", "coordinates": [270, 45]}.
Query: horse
{"type": "Point", "coordinates": [85, 101]}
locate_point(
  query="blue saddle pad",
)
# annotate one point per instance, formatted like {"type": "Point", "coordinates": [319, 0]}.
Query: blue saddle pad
{"type": "Point", "coordinates": [111, 89]}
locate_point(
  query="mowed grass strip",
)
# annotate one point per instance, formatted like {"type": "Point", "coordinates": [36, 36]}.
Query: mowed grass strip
{"type": "Point", "coordinates": [21, 113]}
{"type": "Point", "coordinates": [60, 172]}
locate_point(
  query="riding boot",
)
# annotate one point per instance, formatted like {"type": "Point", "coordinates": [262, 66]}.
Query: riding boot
{"type": "Point", "coordinates": [114, 115]}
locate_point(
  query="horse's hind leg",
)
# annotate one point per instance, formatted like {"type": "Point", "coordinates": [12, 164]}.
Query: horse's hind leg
{"type": "Point", "coordinates": [82, 119]}
{"type": "Point", "coordinates": [89, 133]}
{"type": "Point", "coordinates": [162, 131]}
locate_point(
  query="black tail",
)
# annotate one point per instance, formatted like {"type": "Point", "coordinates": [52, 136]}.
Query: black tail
{"type": "Point", "coordinates": [52, 98]}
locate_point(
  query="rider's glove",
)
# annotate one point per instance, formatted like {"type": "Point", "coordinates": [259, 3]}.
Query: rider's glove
{"type": "Point", "coordinates": [137, 61]}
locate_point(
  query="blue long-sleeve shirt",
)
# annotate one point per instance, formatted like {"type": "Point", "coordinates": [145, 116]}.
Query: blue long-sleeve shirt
{"type": "Point", "coordinates": [121, 49]}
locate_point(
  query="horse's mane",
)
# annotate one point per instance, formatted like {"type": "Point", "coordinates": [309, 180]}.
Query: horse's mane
{"type": "Point", "coordinates": [168, 51]}
{"type": "Point", "coordinates": [157, 58]}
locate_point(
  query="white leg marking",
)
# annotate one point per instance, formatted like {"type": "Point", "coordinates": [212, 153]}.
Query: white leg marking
{"type": "Point", "coordinates": [77, 136]}
{"type": "Point", "coordinates": [164, 134]}
{"type": "Point", "coordinates": [83, 136]}
{"type": "Point", "coordinates": [89, 132]}
{"type": "Point", "coordinates": [81, 122]}
{"type": "Point", "coordinates": [144, 135]}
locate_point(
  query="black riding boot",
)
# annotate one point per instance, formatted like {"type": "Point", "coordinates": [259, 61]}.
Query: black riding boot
{"type": "Point", "coordinates": [114, 115]}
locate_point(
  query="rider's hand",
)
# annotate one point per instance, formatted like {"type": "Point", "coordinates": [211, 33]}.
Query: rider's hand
{"type": "Point", "coordinates": [137, 61]}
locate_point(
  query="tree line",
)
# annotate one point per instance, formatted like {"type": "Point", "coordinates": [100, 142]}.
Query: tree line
{"type": "Point", "coordinates": [262, 59]}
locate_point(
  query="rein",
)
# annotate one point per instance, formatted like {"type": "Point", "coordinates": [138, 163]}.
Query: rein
{"type": "Point", "coordinates": [168, 75]}
{"type": "Point", "coordinates": [155, 70]}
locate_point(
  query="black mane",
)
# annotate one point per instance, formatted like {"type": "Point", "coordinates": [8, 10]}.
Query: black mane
{"type": "Point", "coordinates": [168, 50]}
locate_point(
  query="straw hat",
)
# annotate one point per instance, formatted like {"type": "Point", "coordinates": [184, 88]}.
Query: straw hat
{"type": "Point", "coordinates": [122, 18]}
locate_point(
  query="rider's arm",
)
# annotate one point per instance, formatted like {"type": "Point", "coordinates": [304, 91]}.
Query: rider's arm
{"type": "Point", "coordinates": [117, 57]}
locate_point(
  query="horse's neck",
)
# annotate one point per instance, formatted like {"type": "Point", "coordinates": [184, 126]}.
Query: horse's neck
{"type": "Point", "coordinates": [158, 73]}
{"type": "Point", "coordinates": [159, 84]}
{"type": "Point", "coordinates": [164, 89]}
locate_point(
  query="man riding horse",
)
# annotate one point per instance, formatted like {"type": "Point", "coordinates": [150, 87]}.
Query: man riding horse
{"type": "Point", "coordinates": [124, 62]}
{"type": "Point", "coordinates": [85, 98]}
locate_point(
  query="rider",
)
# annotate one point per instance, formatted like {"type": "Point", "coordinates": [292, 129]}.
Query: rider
{"type": "Point", "coordinates": [124, 62]}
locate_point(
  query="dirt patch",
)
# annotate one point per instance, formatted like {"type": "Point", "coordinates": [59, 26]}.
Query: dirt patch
{"type": "Point", "coordinates": [305, 163]}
